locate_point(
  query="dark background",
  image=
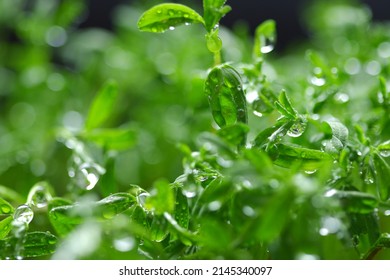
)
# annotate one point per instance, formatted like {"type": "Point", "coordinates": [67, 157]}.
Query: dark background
{"type": "Point", "coordinates": [285, 12]}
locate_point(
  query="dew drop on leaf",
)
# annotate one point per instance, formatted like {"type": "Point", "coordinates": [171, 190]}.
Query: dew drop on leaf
{"type": "Point", "coordinates": [39, 196]}
{"type": "Point", "coordinates": [23, 214]}
{"type": "Point", "coordinates": [297, 128]}
{"type": "Point", "coordinates": [385, 153]}
{"type": "Point", "coordinates": [141, 199]}
{"type": "Point", "coordinates": [267, 44]}
{"type": "Point", "coordinates": [5, 209]}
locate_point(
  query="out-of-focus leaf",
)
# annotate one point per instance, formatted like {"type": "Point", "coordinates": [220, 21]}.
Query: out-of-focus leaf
{"type": "Point", "coordinates": [5, 227]}
{"type": "Point", "coordinates": [162, 198]}
{"type": "Point", "coordinates": [357, 202]}
{"type": "Point", "coordinates": [234, 134]}
{"type": "Point", "coordinates": [299, 157]}
{"type": "Point", "coordinates": [5, 207]}
{"type": "Point", "coordinates": [382, 170]}
{"type": "Point", "coordinates": [276, 214]}
{"type": "Point", "coordinates": [384, 149]}
{"type": "Point", "coordinates": [67, 217]}
{"type": "Point", "coordinates": [163, 17]}
{"type": "Point", "coordinates": [102, 106]}
{"type": "Point", "coordinates": [113, 138]}
{"type": "Point", "coordinates": [10, 195]}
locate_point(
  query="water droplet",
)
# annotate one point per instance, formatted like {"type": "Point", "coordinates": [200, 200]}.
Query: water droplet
{"type": "Point", "coordinates": [56, 36]}
{"type": "Point", "coordinates": [39, 196]}
{"type": "Point", "coordinates": [248, 211]}
{"type": "Point", "coordinates": [368, 177]}
{"type": "Point", "coordinates": [341, 97]}
{"type": "Point", "coordinates": [373, 68]}
{"type": "Point", "coordinates": [23, 214]}
{"type": "Point", "coordinates": [5, 209]}
{"type": "Point", "coordinates": [214, 44]}
{"type": "Point", "coordinates": [187, 23]}
{"type": "Point", "coordinates": [297, 128]}
{"type": "Point", "coordinates": [330, 225]}
{"type": "Point", "coordinates": [384, 153]}
{"type": "Point", "coordinates": [384, 50]}
{"type": "Point", "coordinates": [330, 193]}
{"type": "Point", "coordinates": [258, 114]}
{"type": "Point", "coordinates": [214, 205]}
{"type": "Point", "coordinates": [87, 175]}
{"type": "Point", "coordinates": [352, 66]}
{"type": "Point", "coordinates": [171, 28]}
{"type": "Point", "coordinates": [267, 43]}
{"type": "Point", "coordinates": [189, 194]}
{"type": "Point", "coordinates": [124, 244]}
{"type": "Point", "coordinates": [317, 81]}
{"type": "Point", "coordinates": [310, 171]}
{"type": "Point", "coordinates": [159, 11]}
{"type": "Point", "coordinates": [141, 199]}
{"type": "Point", "coordinates": [171, 12]}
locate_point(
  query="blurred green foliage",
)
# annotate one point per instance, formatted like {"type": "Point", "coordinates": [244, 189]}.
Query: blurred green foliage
{"type": "Point", "coordinates": [107, 136]}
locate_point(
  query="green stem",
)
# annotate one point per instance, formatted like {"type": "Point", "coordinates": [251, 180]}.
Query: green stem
{"type": "Point", "coordinates": [217, 58]}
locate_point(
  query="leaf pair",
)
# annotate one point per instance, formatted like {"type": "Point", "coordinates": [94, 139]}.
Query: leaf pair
{"type": "Point", "coordinates": [163, 17]}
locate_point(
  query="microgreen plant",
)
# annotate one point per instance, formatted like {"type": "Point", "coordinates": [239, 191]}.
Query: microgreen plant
{"type": "Point", "coordinates": [282, 158]}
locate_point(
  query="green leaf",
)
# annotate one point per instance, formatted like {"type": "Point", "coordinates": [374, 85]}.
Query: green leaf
{"type": "Point", "coordinates": [357, 202]}
{"type": "Point", "coordinates": [383, 90]}
{"type": "Point", "coordinates": [184, 235]}
{"type": "Point", "coordinates": [162, 198]}
{"type": "Point", "coordinates": [360, 134]}
{"type": "Point", "coordinates": [214, 43]}
{"type": "Point", "coordinates": [214, 10]}
{"type": "Point", "coordinates": [163, 17]}
{"type": "Point", "coordinates": [159, 228]}
{"type": "Point", "coordinates": [66, 217]}
{"type": "Point", "coordinates": [384, 148]}
{"type": "Point", "coordinates": [265, 38]}
{"type": "Point", "coordinates": [39, 244]}
{"type": "Point", "coordinates": [286, 103]}
{"type": "Point", "coordinates": [382, 177]}
{"type": "Point", "coordinates": [102, 106]}
{"type": "Point", "coordinates": [272, 135]}
{"type": "Point", "coordinates": [113, 139]}
{"type": "Point", "coordinates": [5, 227]}
{"type": "Point", "coordinates": [114, 204]}
{"type": "Point", "coordinates": [11, 195]}
{"type": "Point", "coordinates": [289, 155]}
{"type": "Point", "coordinates": [339, 136]}
{"type": "Point", "coordinates": [35, 244]}
{"type": "Point", "coordinates": [5, 207]}
{"type": "Point", "coordinates": [182, 211]}
{"type": "Point", "coordinates": [226, 97]}
{"type": "Point", "coordinates": [234, 134]}
{"type": "Point", "coordinates": [275, 215]}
